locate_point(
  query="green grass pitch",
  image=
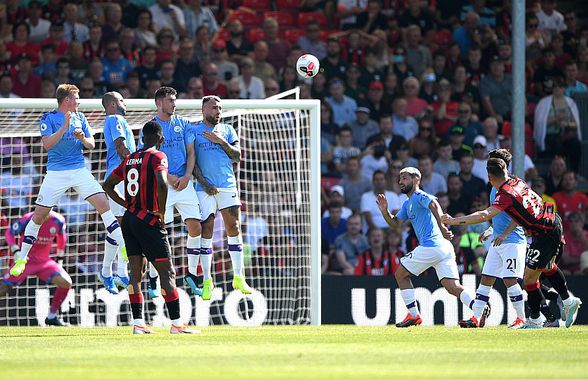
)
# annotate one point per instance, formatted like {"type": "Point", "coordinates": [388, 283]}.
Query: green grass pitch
{"type": "Point", "coordinates": [332, 351]}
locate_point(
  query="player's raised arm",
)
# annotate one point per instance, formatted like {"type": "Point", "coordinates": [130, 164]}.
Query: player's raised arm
{"type": "Point", "coordinates": [51, 139]}
{"type": "Point", "coordinates": [474, 218]}
{"type": "Point", "coordinates": [383, 207]}
{"type": "Point", "coordinates": [437, 213]}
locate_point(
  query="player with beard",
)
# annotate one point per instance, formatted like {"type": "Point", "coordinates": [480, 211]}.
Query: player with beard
{"type": "Point", "coordinates": [434, 250]}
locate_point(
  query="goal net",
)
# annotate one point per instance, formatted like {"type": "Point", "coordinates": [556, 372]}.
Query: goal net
{"type": "Point", "coordinates": [279, 182]}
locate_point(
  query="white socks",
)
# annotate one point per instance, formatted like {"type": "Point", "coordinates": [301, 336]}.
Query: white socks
{"type": "Point", "coordinates": [112, 227]}
{"type": "Point", "coordinates": [236, 252]}
{"type": "Point", "coordinates": [515, 294]}
{"type": "Point", "coordinates": [121, 265]}
{"type": "Point", "coordinates": [466, 298]}
{"type": "Point", "coordinates": [193, 249]}
{"type": "Point", "coordinates": [206, 257]}
{"type": "Point", "coordinates": [30, 236]}
{"type": "Point", "coordinates": [152, 271]}
{"type": "Point", "coordinates": [110, 249]}
{"type": "Point", "coordinates": [410, 301]}
{"type": "Point", "coordinates": [482, 298]}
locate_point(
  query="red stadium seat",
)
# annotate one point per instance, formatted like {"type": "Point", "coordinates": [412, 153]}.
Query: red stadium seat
{"type": "Point", "coordinates": [327, 182]}
{"type": "Point", "coordinates": [304, 17]}
{"type": "Point", "coordinates": [248, 19]}
{"type": "Point", "coordinates": [292, 35]}
{"type": "Point", "coordinates": [288, 4]}
{"type": "Point", "coordinates": [284, 19]}
{"type": "Point", "coordinates": [224, 34]}
{"type": "Point", "coordinates": [258, 5]}
{"type": "Point", "coordinates": [443, 38]}
{"type": "Point", "coordinates": [254, 35]}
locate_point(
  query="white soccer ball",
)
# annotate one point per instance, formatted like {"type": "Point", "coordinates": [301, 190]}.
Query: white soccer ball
{"type": "Point", "coordinates": [307, 66]}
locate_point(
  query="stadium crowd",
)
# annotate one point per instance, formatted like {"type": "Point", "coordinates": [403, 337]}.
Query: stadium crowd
{"type": "Point", "coordinates": [402, 83]}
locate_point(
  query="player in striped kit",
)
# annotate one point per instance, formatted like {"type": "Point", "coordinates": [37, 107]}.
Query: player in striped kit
{"type": "Point", "coordinates": [40, 264]}
{"type": "Point", "coordinates": [65, 133]}
{"type": "Point", "coordinates": [217, 147]}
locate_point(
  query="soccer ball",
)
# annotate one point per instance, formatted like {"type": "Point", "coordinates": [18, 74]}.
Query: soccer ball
{"type": "Point", "coordinates": [307, 66]}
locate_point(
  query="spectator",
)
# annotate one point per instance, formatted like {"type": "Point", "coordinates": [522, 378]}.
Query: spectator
{"type": "Point", "coordinates": [288, 78]}
{"type": "Point", "coordinates": [573, 85]}
{"type": "Point", "coordinates": [17, 186]}
{"type": "Point", "coordinates": [20, 44]}
{"type": "Point", "coordinates": [77, 64]}
{"type": "Point", "coordinates": [569, 199]}
{"type": "Point", "coordinates": [344, 150]}
{"type": "Point", "coordinates": [431, 182]}
{"type": "Point", "coordinates": [187, 65]}
{"type": "Point", "coordinates": [576, 243]}
{"type": "Point", "coordinates": [337, 196]}
{"type": "Point", "coordinates": [538, 185]}
{"type": "Point", "coordinates": [319, 87]}
{"type": "Point", "coordinates": [496, 91]}
{"type": "Point", "coordinates": [112, 22]}
{"type": "Point", "coordinates": [94, 47]}
{"type": "Point", "coordinates": [391, 87]}
{"type": "Point", "coordinates": [386, 135]}
{"type": "Point", "coordinates": [425, 142]}
{"type": "Point", "coordinates": [456, 138]}
{"type": "Point", "coordinates": [375, 158]}
{"type": "Point", "coordinates": [148, 69]}
{"type": "Point", "coordinates": [557, 124]}
{"type": "Point", "coordinates": [416, 107]}
{"type": "Point", "coordinates": [72, 29]}
{"type": "Point", "coordinates": [570, 35]}
{"type": "Point", "coordinates": [354, 184]}
{"type": "Point", "coordinates": [467, 34]}
{"type": "Point", "coordinates": [546, 74]}
{"type": "Point", "coordinates": [333, 66]}
{"type": "Point", "coordinates": [445, 164]}
{"type": "Point", "coordinates": [96, 73]}
{"type": "Point", "coordinates": [473, 65]}
{"type": "Point", "coordinates": [328, 128]}
{"type": "Point", "coordinates": [333, 226]}
{"type": "Point", "coordinates": [6, 87]}
{"type": "Point", "coordinates": [53, 11]}
{"type": "Point", "coordinates": [428, 81]}
{"type": "Point", "coordinates": [458, 201]}
{"type": "Point", "coordinates": [372, 18]}
{"type": "Point", "coordinates": [167, 70]}
{"type": "Point", "coordinates": [443, 201]}
{"type": "Point", "coordinates": [404, 124]}
{"type": "Point", "coordinates": [145, 30]}
{"type": "Point", "coordinates": [39, 27]}
{"type": "Point", "coordinates": [272, 88]}
{"type": "Point", "coordinates": [193, 89]}
{"type": "Point", "coordinates": [25, 83]}
{"type": "Point", "coordinates": [116, 67]}
{"type": "Point", "coordinates": [554, 177]}
{"type": "Point", "coordinates": [86, 88]}
{"type": "Point", "coordinates": [486, 15]}
{"type": "Point", "coordinates": [166, 46]}
{"type": "Point", "coordinates": [196, 15]}
{"type": "Point", "coordinates": [416, 14]}
{"type": "Point", "coordinates": [371, 69]}
{"type": "Point", "coordinates": [376, 261]}
{"type": "Point", "coordinates": [277, 46]}
{"type": "Point", "coordinates": [343, 107]}
{"type": "Point", "coordinates": [237, 45]}
{"type": "Point", "coordinates": [353, 87]}
{"type": "Point", "coordinates": [444, 109]}
{"type": "Point", "coordinates": [152, 86]}
{"type": "Point", "coordinates": [310, 43]}
{"type": "Point", "coordinates": [251, 86]}
{"type": "Point", "coordinates": [480, 158]}
{"type": "Point", "coordinates": [375, 100]}
{"type": "Point", "coordinates": [529, 167]}
{"type": "Point", "coordinates": [490, 128]}
{"type": "Point", "coordinates": [467, 263]}
{"type": "Point", "coordinates": [418, 57]}
{"type": "Point", "coordinates": [202, 45]}
{"type": "Point", "coordinates": [48, 67]}
{"type": "Point", "coordinates": [348, 10]}
{"type": "Point", "coordinates": [534, 40]}
{"type": "Point", "coordinates": [472, 185]}
{"type": "Point", "coordinates": [167, 15]}
{"type": "Point", "coordinates": [403, 155]}
{"type": "Point", "coordinates": [128, 49]}
{"type": "Point", "coordinates": [349, 245]}
{"type": "Point", "coordinates": [263, 70]}
{"type": "Point", "coordinates": [467, 120]}
{"type": "Point", "coordinates": [369, 209]}
{"type": "Point", "coordinates": [399, 65]}
{"type": "Point", "coordinates": [550, 20]}
{"type": "Point", "coordinates": [212, 86]}
{"type": "Point", "coordinates": [583, 64]}
{"type": "Point", "coordinates": [62, 72]}
{"type": "Point", "coordinates": [363, 127]}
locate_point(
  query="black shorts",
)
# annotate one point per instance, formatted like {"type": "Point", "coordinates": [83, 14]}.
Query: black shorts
{"type": "Point", "coordinates": [145, 240]}
{"type": "Point", "coordinates": [545, 246]}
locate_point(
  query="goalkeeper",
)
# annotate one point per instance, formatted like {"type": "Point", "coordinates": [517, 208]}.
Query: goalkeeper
{"type": "Point", "coordinates": [39, 263]}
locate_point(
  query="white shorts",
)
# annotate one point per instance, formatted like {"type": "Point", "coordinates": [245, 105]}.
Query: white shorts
{"type": "Point", "coordinates": [505, 261]}
{"type": "Point", "coordinates": [225, 198]}
{"type": "Point", "coordinates": [117, 209]}
{"type": "Point", "coordinates": [441, 258]}
{"type": "Point", "coordinates": [185, 201]}
{"type": "Point", "coordinates": [56, 183]}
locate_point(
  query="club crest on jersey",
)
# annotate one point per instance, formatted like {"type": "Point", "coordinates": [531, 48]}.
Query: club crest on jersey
{"type": "Point", "coordinates": [15, 226]}
{"type": "Point", "coordinates": [52, 230]}
{"type": "Point", "coordinates": [164, 162]}
{"type": "Point", "coordinates": [119, 127]}
{"type": "Point", "coordinates": [43, 126]}
{"type": "Point", "coordinates": [177, 128]}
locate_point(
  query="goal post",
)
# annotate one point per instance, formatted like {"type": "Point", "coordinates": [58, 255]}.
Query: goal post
{"type": "Point", "coordinates": [279, 181]}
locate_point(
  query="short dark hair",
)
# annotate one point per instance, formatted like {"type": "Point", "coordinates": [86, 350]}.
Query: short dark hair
{"type": "Point", "coordinates": [208, 98]}
{"type": "Point", "coordinates": [496, 167]}
{"type": "Point", "coordinates": [152, 129]}
{"type": "Point", "coordinates": [503, 154]}
{"type": "Point", "coordinates": [345, 129]}
{"type": "Point", "coordinates": [163, 92]}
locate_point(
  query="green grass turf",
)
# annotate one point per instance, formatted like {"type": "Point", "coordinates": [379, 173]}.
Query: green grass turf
{"type": "Point", "coordinates": [334, 351]}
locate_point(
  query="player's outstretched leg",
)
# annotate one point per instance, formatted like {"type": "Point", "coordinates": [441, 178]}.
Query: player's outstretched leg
{"type": "Point", "coordinates": [456, 289]}
{"type": "Point", "coordinates": [105, 274]}
{"type": "Point", "coordinates": [63, 283]}
{"type": "Point", "coordinates": [571, 304]}
{"type": "Point", "coordinates": [480, 306]}
{"type": "Point", "coordinates": [413, 317]}
{"type": "Point", "coordinates": [170, 295]}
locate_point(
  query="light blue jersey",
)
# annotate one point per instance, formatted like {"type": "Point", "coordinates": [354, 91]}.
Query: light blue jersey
{"type": "Point", "coordinates": [215, 164]}
{"type": "Point", "coordinates": [67, 153]}
{"type": "Point", "coordinates": [176, 135]}
{"type": "Point", "coordinates": [501, 221]}
{"type": "Point", "coordinates": [115, 127]}
{"type": "Point", "coordinates": [416, 209]}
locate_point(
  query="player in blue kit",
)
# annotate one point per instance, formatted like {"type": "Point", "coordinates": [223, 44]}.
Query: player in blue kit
{"type": "Point", "coordinates": [217, 147]}
{"type": "Point", "coordinates": [505, 260]}
{"type": "Point", "coordinates": [434, 250]}
{"type": "Point", "coordinates": [65, 133]}
{"type": "Point", "coordinates": [178, 146]}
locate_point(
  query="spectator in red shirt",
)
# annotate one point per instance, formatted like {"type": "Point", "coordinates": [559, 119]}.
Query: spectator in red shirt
{"type": "Point", "coordinates": [376, 261]}
{"type": "Point", "coordinates": [56, 37]}
{"type": "Point", "coordinates": [20, 44]}
{"type": "Point", "coordinates": [24, 82]}
{"type": "Point", "coordinates": [576, 243]}
{"type": "Point", "coordinates": [569, 199]}
{"type": "Point", "coordinates": [212, 86]}
{"type": "Point", "coordinates": [417, 107]}
{"type": "Point", "coordinates": [444, 109]}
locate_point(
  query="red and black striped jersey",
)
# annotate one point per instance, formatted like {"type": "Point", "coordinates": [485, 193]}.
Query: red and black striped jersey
{"type": "Point", "coordinates": [138, 172]}
{"type": "Point", "coordinates": [525, 206]}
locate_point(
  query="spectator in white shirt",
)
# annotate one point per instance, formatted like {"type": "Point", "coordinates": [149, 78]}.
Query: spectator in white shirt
{"type": "Point", "coordinates": [251, 86]}
{"type": "Point", "coordinates": [337, 195]}
{"type": "Point", "coordinates": [72, 29]}
{"type": "Point", "coordinates": [480, 158]}
{"type": "Point", "coordinates": [167, 15]}
{"type": "Point", "coordinates": [39, 26]}
{"type": "Point", "coordinates": [550, 20]}
{"type": "Point", "coordinates": [369, 208]}
{"type": "Point", "coordinates": [196, 15]}
{"type": "Point", "coordinates": [431, 182]}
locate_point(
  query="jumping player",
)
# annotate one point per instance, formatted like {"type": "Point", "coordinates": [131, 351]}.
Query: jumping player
{"type": "Point", "coordinates": [39, 263]}
{"type": "Point", "coordinates": [434, 250]}
{"type": "Point", "coordinates": [514, 197]}
{"type": "Point", "coordinates": [145, 182]}
{"type": "Point", "coordinates": [217, 147]}
{"type": "Point", "coordinates": [65, 132]}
